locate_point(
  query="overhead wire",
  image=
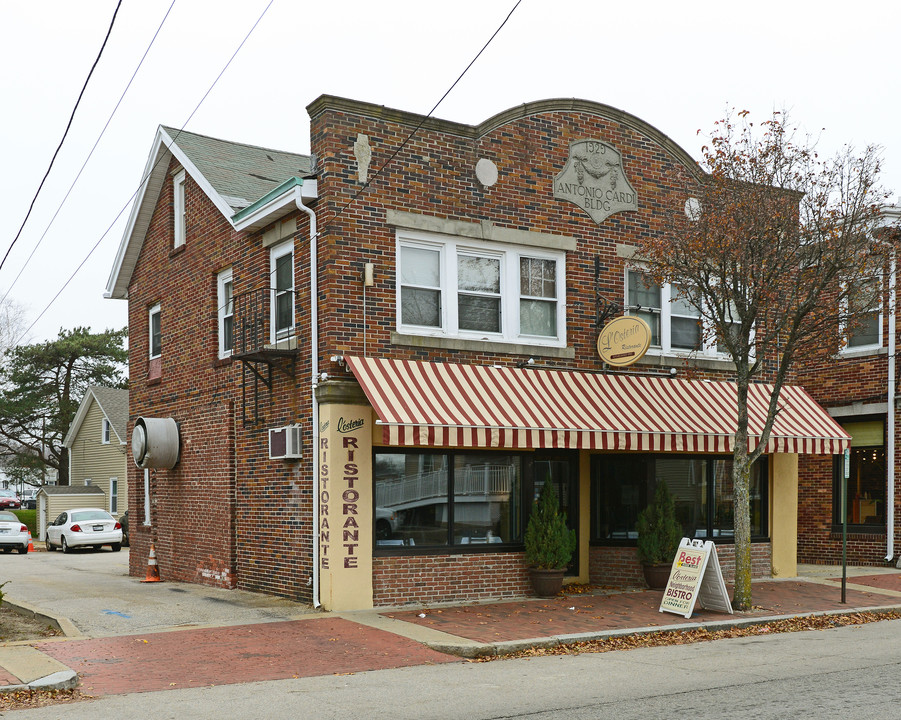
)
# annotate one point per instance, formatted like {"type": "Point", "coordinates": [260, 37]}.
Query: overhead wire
{"type": "Point", "coordinates": [147, 174]}
{"type": "Point", "coordinates": [87, 159]}
{"type": "Point", "coordinates": [65, 133]}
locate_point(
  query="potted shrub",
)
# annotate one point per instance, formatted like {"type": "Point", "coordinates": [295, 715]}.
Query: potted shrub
{"type": "Point", "coordinates": [659, 534]}
{"type": "Point", "coordinates": [549, 543]}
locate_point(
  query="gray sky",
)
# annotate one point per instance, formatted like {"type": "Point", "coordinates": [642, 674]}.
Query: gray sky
{"type": "Point", "coordinates": [676, 65]}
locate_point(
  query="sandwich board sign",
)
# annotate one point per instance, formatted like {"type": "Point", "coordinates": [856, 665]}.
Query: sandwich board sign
{"type": "Point", "coordinates": [696, 577]}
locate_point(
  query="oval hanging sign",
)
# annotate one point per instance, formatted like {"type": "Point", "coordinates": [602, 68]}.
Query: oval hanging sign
{"type": "Point", "coordinates": [624, 340]}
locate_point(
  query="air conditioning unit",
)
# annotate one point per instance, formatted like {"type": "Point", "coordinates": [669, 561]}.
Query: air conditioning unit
{"type": "Point", "coordinates": [285, 443]}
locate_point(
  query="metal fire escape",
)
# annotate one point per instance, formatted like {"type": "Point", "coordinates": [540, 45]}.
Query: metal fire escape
{"type": "Point", "coordinates": [264, 339]}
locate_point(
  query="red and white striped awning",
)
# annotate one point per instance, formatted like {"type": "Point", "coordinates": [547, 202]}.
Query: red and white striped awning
{"type": "Point", "coordinates": [447, 405]}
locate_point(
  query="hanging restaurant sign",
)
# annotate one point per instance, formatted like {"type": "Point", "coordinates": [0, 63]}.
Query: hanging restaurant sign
{"type": "Point", "coordinates": [624, 340]}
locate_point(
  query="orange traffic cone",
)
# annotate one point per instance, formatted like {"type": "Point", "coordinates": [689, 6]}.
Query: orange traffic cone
{"type": "Point", "coordinates": [153, 571]}
{"type": "Point", "coordinates": [30, 543]}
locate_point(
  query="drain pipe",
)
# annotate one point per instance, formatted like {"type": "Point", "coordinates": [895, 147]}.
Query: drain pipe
{"type": "Point", "coordinates": [314, 371]}
{"type": "Point", "coordinates": [890, 417]}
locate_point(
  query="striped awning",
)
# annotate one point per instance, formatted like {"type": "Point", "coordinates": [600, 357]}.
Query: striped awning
{"type": "Point", "coordinates": [448, 405]}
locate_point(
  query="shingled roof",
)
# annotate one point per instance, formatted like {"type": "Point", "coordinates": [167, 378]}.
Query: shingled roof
{"type": "Point", "coordinates": [113, 403]}
{"type": "Point", "coordinates": [241, 174]}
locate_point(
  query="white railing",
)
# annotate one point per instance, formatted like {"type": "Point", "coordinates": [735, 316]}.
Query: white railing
{"type": "Point", "coordinates": [414, 489]}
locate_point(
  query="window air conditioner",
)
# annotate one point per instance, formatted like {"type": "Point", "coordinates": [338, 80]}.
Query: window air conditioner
{"type": "Point", "coordinates": [285, 442]}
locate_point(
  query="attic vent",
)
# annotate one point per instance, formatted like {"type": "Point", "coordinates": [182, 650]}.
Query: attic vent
{"type": "Point", "coordinates": [285, 443]}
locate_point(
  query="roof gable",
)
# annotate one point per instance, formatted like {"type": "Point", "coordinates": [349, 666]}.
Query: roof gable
{"type": "Point", "coordinates": [113, 403]}
{"type": "Point", "coordinates": [233, 176]}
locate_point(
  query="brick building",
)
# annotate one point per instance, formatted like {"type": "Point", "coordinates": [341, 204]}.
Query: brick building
{"type": "Point", "coordinates": [348, 388]}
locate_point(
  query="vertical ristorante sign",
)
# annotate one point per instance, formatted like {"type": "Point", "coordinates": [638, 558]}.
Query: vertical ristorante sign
{"type": "Point", "coordinates": [345, 507]}
{"type": "Point", "coordinates": [594, 179]}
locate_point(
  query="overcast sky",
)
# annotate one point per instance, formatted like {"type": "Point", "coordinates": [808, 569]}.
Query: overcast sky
{"type": "Point", "coordinates": [678, 66]}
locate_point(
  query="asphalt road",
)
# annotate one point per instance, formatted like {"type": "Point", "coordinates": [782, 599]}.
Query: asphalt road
{"type": "Point", "coordinates": [842, 673]}
{"type": "Point", "coordinates": [94, 590]}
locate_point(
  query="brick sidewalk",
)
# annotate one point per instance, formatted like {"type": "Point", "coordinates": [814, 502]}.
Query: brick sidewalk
{"type": "Point", "coordinates": [235, 654]}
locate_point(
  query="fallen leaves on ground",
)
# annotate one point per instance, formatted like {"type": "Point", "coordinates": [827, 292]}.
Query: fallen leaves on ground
{"type": "Point", "coordinates": [22, 699]}
{"type": "Point", "coordinates": [686, 637]}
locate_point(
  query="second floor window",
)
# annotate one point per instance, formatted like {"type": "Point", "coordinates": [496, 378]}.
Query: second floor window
{"type": "Point", "coordinates": [156, 343]}
{"type": "Point", "coordinates": [482, 291]}
{"type": "Point", "coordinates": [864, 330]}
{"type": "Point", "coordinates": [105, 432]}
{"type": "Point", "coordinates": [226, 313]}
{"type": "Point", "coordinates": [282, 286]}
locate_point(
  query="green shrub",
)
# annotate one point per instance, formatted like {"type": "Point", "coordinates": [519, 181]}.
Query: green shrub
{"type": "Point", "coordinates": [549, 543]}
{"type": "Point", "coordinates": [29, 518]}
{"type": "Point", "coordinates": [659, 533]}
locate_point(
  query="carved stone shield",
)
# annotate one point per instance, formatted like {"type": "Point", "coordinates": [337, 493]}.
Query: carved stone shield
{"type": "Point", "coordinates": [594, 179]}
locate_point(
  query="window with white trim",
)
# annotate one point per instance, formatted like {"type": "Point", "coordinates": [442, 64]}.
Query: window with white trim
{"type": "Point", "coordinates": [156, 343]}
{"type": "Point", "coordinates": [178, 208]}
{"type": "Point", "coordinates": [676, 325]}
{"type": "Point", "coordinates": [114, 495]}
{"type": "Point", "coordinates": [226, 312]}
{"type": "Point", "coordinates": [105, 431]}
{"type": "Point", "coordinates": [457, 287]}
{"type": "Point", "coordinates": [281, 283]}
{"type": "Point", "coordinates": [864, 332]}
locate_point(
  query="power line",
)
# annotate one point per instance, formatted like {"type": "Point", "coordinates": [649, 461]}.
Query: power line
{"type": "Point", "coordinates": [147, 175]}
{"type": "Point", "coordinates": [421, 123]}
{"type": "Point", "coordinates": [69, 125]}
{"type": "Point", "coordinates": [84, 164]}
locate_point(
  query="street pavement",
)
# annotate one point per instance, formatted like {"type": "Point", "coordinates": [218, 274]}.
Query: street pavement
{"type": "Point", "coordinates": [123, 635]}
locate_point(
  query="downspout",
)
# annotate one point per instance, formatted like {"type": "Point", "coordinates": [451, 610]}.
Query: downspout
{"type": "Point", "coordinates": [314, 372]}
{"type": "Point", "coordinates": [890, 418]}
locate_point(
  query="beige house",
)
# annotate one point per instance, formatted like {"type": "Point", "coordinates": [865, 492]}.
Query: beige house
{"type": "Point", "coordinates": [97, 443]}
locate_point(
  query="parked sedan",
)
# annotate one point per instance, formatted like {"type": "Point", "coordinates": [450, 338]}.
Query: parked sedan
{"type": "Point", "coordinates": [9, 499]}
{"type": "Point", "coordinates": [84, 527]}
{"type": "Point", "coordinates": [14, 534]}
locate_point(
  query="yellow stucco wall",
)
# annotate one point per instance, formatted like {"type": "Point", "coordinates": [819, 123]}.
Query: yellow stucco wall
{"type": "Point", "coordinates": [784, 514]}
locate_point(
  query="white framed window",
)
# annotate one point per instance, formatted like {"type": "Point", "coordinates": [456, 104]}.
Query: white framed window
{"type": "Point", "coordinates": [178, 209]}
{"type": "Point", "coordinates": [864, 332]}
{"type": "Point", "coordinates": [105, 431]}
{"type": "Point", "coordinates": [281, 283]}
{"type": "Point", "coordinates": [156, 344]}
{"type": "Point", "coordinates": [677, 326]}
{"type": "Point", "coordinates": [114, 495]}
{"type": "Point", "coordinates": [458, 287]}
{"type": "Point", "coordinates": [226, 312]}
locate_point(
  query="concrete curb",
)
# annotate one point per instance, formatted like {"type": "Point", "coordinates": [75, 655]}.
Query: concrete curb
{"type": "Point", "coordinates": [62, 680]}
{"type": "Point", "coordinates": [471, 649]}
{"type": "Point", "coordinates": [63, 624]}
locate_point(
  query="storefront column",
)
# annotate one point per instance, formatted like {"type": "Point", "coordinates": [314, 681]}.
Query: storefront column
{"type": "Point", "coordinates": [345, 502]}
{"type": "Point", "coordinates": [784, 514]}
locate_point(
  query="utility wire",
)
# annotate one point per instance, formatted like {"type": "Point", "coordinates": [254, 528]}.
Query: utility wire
{"type": "Point", "coordinates": [69, 125]}
{"type": "Point", "coordinates": [409, 137]}
{"type": "Point", "coordinates": [84, 164]}
{"type": "Point", "coordinates": [146, 176]}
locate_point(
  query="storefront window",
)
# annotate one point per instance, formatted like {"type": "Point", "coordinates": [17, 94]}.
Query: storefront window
{"type": "Point", "coordinates": [865, 488]}
{"type": "Point", "coordinates": [447, 499]}
{"type": "Point", "coordinates": [623, 485]}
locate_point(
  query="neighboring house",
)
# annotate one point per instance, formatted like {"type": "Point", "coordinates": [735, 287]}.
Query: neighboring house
{"type": "Point", "coordinates": [858, 387]}
{"type": "Point", "coordinates": [351, 393]}
{"type": "Point", "coordinates": [55, 499]}
{"type": "Point", "coordinates": [97, 442]}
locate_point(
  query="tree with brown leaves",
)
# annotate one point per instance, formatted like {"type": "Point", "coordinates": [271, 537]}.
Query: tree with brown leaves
{"type": "Point", "coordinates": [776, 249]}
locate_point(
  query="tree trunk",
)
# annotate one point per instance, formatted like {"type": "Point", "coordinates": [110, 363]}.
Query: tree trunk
{"type": "Point", "coordinates": [741, 502]}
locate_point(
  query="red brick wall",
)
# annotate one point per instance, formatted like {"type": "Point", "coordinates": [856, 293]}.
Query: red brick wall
{"type": "Point", "coordinates": [619, 567]}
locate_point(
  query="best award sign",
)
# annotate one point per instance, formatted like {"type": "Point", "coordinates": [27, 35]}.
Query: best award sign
{"type": "Point", "coordinates": [696, 576]}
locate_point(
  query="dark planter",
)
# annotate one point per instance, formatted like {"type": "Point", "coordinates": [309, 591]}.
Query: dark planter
{"type": "Point", "coordinates": [546, 583]}
{"type": "Point", "coordinates": [657, 576]}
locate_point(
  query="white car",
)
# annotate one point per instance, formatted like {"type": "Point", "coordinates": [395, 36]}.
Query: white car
{"type": "Point", "coordinates": [14, 534]}
{"type": "Point", "coordinates": [83, 527]}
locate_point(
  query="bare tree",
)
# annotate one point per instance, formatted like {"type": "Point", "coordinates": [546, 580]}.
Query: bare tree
{"type": "Point", "coordinates": [776, 248]}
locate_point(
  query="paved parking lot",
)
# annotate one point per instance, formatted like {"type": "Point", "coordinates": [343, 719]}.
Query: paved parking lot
{"type": "Point", "coordinates": [94, 590]}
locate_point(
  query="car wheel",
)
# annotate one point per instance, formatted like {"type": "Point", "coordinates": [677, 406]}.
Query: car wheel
{"type": "Point", "coordinates": [23, 550]}
{"type": "Point", "coordinates": [116, 547]}
{"type": "Point", "coordinates": [49, 545]}
{"type": "Point", "coordinates": [6, 549]}
{"type": "Point", "coordinates": [63, 545]}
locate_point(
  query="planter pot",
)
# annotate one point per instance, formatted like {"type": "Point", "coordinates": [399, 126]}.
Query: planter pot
{"type": "Point", "coordinates": [546, 583]}
{"type": "Point", "coordinates": [656, 576]}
